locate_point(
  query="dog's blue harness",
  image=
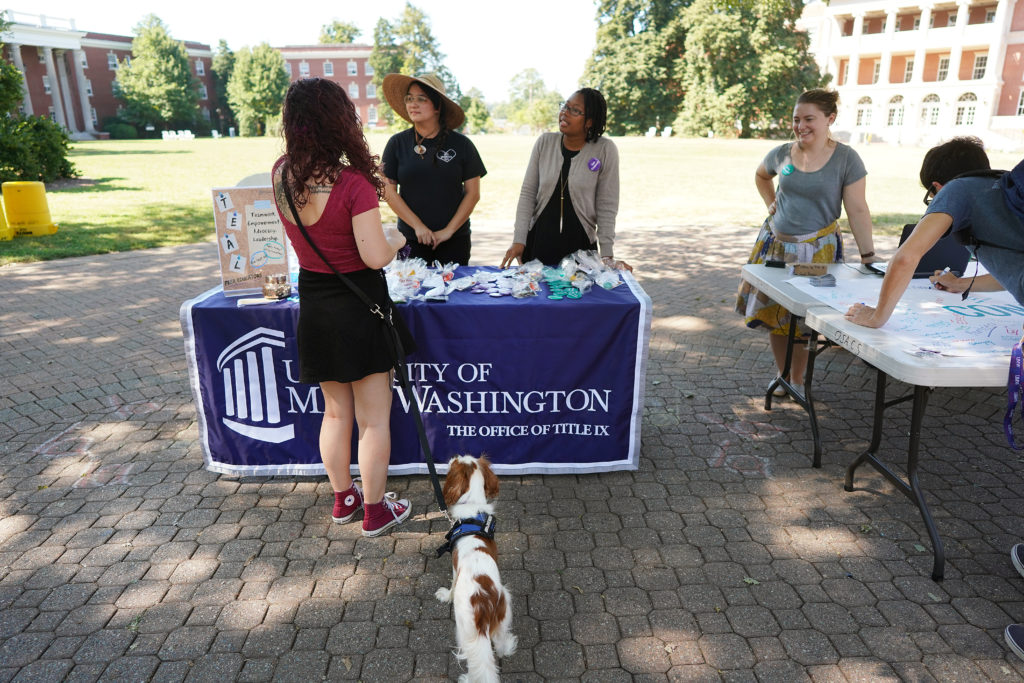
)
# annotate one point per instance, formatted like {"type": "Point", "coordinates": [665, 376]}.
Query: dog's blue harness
{"type": "Point", "coordinates": [480, 525]}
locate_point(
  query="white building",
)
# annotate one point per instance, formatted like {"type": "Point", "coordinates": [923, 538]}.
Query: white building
{"type": "Point", "coordinates": [923, 72]}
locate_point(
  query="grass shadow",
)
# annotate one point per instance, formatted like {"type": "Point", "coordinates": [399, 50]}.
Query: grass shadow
{"type": "Point", "coordinates": [892, 223]}
{"type": "Point", "coordinates": [80, 152]}
{"type": "Point", "coordinates": [88, 185]}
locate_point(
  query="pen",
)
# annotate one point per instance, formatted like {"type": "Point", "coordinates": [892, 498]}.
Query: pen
{"type": "Point", "coordinates": [937, 284]}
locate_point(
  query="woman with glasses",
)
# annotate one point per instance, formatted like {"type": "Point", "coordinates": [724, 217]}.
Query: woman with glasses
{"type": "Point", "coordinates": [818, 177]}
{"type": "Point", "coordinates": [432, 172]}
{"type": "Point", "coordinates": [570, 195]}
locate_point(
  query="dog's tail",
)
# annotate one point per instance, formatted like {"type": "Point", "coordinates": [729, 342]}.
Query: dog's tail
{"type": "Point", "coordinates": [480, 662]}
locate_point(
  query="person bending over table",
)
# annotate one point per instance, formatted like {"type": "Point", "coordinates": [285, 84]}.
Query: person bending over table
{"type": "Point", "coordinates": [818, 176]}
{"type": "Point", "coordinates": [570, 195]}
{"type": "Point", "coordinates": [433, 172]}
{"type": "Point", "coordinates": [986, 209]}
{"type": "Point", "coordinates": [333, 181]}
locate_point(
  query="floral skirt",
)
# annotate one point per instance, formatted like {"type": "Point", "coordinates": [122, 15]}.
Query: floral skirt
{"type": "Point", "coordinates": [823, 246]}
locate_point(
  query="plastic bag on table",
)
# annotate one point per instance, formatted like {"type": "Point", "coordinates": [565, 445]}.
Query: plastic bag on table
{"type": "Point", "coordinates": [461, 283]}
{"type": "Point", "coordinates": [608, 278]}
{"type": "Point", "coordinates": [582, 283]}
{"type": "Point", "coordinates": [447, 271]}
{"type": "Point", "coordinates": [523, 287]}
{"type": "Point", "coordinates": [589, 261]}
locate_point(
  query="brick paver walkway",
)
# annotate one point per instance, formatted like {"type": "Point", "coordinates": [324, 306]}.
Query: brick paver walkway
{"type": "Point", "coordinates": [725, 557]}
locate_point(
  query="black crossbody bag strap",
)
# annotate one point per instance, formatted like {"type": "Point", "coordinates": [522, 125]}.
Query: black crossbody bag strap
{"type": "Point", "coordinates": [394, 346]}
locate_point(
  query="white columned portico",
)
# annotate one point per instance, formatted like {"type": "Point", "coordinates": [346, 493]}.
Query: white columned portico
{"type": "Point", "coordinates": [83, 94]}
{"type": "Point", "coordinates": [917, 75]}
{"type": "Point", "coordinates": [65, 92]}
{"type": "Point", "coordinates": [858, 31]}
{"type": "Point", "coordinates": [51, 74]}
{"type": "Point", "coordinates": [956, 51]}
{"type": "Point", "coordinates": [891, 17]}
{"type": "Point", "coordinates": [26, 101]}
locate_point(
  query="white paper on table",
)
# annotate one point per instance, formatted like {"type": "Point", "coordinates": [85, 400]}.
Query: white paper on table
{"type": "Point", "coordinates": [931, 320]}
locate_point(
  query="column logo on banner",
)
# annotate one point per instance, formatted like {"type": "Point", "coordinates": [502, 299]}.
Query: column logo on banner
{"type": "Point", "coordinates": [249, 373]}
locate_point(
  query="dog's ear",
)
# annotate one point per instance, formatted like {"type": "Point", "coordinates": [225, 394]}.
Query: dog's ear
{"type": "Point", "coordinates": [490, 478]}
{"type": "Point", "coordinates": [456, 482]}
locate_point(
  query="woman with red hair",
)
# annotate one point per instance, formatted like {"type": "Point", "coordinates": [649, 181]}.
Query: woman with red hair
{"type": "Point", "coordinates": [328, 175]}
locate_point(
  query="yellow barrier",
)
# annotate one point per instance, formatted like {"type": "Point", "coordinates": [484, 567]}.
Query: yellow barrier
{"type": "Point", "coordinates": [26, 209]}
{"type": "Point", "coordinates": [5, 232]}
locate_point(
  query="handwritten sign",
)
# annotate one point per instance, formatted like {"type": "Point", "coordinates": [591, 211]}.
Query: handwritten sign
{"type": "Point", "coordinates": [252, 241]}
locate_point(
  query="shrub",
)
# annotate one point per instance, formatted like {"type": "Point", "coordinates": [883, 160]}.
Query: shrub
{"type": "Point", "coordinates": [34, 148]}
{"type": "Point", "coordinates": [121, 131]}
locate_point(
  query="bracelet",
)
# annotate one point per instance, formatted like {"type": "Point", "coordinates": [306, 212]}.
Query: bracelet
{"type": "Point", "coordinates": [868, 255]}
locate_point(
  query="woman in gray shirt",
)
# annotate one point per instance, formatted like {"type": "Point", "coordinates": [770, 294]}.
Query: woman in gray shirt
{"type": "Point", "coordinates": [818, 176]}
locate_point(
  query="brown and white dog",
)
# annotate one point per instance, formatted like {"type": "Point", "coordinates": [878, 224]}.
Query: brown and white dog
{"type": "Point", "coordinates": [482, 606]}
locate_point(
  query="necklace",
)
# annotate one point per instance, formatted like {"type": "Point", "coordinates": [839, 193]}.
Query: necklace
{"type": "Point", "coordinates": [561, 199]}
{"type": "Point", "coordinates": [419, 148]}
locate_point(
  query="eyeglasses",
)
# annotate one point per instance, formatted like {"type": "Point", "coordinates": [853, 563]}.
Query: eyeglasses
{"type": "Point", "coordinates": [568, 109]}
{"type": "Point", "coordinates": [416, 99]}
{"type": "Point", "coordinates": [928, 195]}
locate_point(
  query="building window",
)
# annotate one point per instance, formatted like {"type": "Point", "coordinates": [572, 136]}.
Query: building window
{"type": "Point", "coordinates": [931, 21]}
{"type": "Point", "coordinates": [85, 60]}
{"type": "Point", "coordinates": [943, 69]}
{"type": "Point", "coordinates": [353, 68]}
{"type": "Point", "coordinates": [112, 61]}
{"type": "Point", "coordinates": [288, 69]}
{"type": "Point", "coordinates": [965, 110]}
{"type": "Point", "coordinates": [88, 87]}
{"type": "Point", "coordinates": [1020, 103]}
{"type": "Point", "coordinates": [980, 62]}
{"type": "Point", "coordinates": [206, 113]}
{"type": "Point", "coordinates": [304, 69]}
{"type": "Point", "coordinates": [908, 71]}
{"type": "Point", "coordinates": [990, 16]}
{"type": "Point", "coordinates": [92, 112]}
{"type": "Point", "coordinates": [200, 69]}
{"type": "Point", "coordinates": [371, 90]}
{"type": "Point", "coordinates": [203, 94]}
{"type": "Point", "coordinates": [877, 71]}
{"type": "Point", "coordinates": [51, 113]}
{"type": "Point", "coordinates": [371, 115]}
{"type": "Point", "coordinates": [114, 87]}
{"type": "Point", "coordinates": [127, 60]}
{"type": "Point", "coordinates": [328, 68]}
{"type": "Point", "coordinates": [367, 69]}
{"type": "Point", "coordinates": [895, 117]}
{"type": "Point", "coordinates": [846, 73]}
{"type": "Point", "coordinates": [46, 85]}
{"type": "Point", "coordinates": [864, 111]}
{"type": "Point", "coordinates": [930, 110]}
{"type": "Point", "coordinates": [353, 90]}
{"type": "Point", "coordinates": [917, 23]}
{"type": "Point", "coordinates": [41, 53]}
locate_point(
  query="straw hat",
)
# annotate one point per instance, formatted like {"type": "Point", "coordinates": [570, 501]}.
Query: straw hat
{"type": "Point", "coordinates": [396, 86]}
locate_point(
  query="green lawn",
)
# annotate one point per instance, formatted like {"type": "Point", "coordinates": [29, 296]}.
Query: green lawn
{"type": "Point", "coordinates": [138, 194]}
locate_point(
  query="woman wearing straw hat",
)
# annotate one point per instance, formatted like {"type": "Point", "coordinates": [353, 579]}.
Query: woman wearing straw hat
{"type": "Point", "coordinates": [432, 173]}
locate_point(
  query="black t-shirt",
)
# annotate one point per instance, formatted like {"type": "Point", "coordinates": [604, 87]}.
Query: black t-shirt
{"type": "Point", "coordinates": [432, 186]}
{"type": "Point", "coordinates": [556, 235]}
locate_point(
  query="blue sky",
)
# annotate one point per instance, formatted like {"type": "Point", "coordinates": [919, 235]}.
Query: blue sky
{"type": "Point", "coordinates": [486, 42]}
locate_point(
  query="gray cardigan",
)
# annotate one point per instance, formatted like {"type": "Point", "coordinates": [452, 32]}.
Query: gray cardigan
{"type": "Point", "coordinates": [594, 193]}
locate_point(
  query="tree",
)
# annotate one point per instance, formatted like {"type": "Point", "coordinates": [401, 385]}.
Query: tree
{"type": "Point", "coordinates": [157, 85]}
{"type": "Point", "coordinates": [223, 66]}
{"type": "Point", "coordinates": [339, 32]}
{"type": "Point", "coordinates": [11, 90]}
{"type": "Point", "coordinates": [257, 87]}
{"type": "Point", "coordinates": [633, 63]}
{"type": "Point", "coordinates": [407, 45]}
{"type": "Point", "coordinates": [531, 103]}
{"type": "Point", "coordinates": [744, 66]}
{"type": "Point", "coordinates": [477, 116]}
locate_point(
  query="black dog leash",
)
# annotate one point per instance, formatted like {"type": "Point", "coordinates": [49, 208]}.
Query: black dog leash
{"type": "Point", "coordinates": [394, 346]}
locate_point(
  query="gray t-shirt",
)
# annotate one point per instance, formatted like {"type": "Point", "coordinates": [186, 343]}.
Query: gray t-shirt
{"type": "Point", "coordinates": [978, 204]}
{"type": "Point", "coordinates": [807, 202]}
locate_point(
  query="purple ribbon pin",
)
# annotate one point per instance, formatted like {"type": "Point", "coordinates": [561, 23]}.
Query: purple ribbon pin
{"type": "Point", "coordinates": [594, 164]}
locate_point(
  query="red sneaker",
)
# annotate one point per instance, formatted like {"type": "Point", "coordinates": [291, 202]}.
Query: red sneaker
{"type": "Point", "coordinates": [379, 517]}
{"type": "Point", "coordinates": [347, 504]}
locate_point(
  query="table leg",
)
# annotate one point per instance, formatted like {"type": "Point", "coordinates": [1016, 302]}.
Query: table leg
{"type": "Point", "coordinates": [790, 341]}
{"type": "Point", "coordinates": [911, 488]}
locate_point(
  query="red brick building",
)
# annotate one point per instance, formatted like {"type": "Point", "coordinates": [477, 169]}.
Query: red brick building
{"type": "Point", "coordinates": [70, 74]}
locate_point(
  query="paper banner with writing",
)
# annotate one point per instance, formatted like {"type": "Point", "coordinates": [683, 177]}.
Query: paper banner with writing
{"type": "Point", "coordinates": [250, 238]}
